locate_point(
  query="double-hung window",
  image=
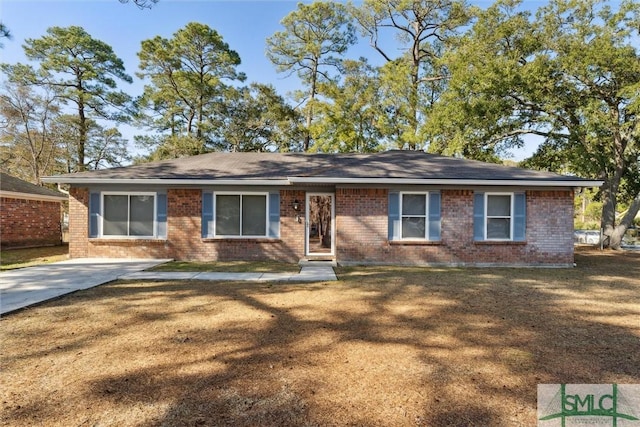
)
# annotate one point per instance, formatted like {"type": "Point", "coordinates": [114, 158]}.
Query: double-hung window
{"type": "Point", "coordinates": [128, 214]}
{"type": "Point", "coordinates": [414, 208]}
{"type": "Point", "coordinates": [414, 215]}
{"type": "Point", "coordinates": [499, 216]}
{"type": "Point", "coordinates": [241, 215]}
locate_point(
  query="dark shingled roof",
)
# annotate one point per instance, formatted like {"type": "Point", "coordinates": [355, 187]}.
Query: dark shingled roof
{"type": "Point", "coordinates": [396, 164]}
{"type": "Point", "coordinates": [17, 185]}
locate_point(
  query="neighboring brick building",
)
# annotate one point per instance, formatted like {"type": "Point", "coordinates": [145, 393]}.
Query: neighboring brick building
{"type": "Point", "coordinates": [30, 215]}
{"type": "Point", "coordinates": [396, 207]}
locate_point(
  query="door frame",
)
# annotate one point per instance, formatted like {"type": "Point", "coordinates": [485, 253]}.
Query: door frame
{"type": "Point", "coordinates": [307, 225]}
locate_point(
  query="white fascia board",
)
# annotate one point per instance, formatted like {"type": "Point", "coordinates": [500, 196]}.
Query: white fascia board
{"type": "Point", "coordinates": [30, 196]}
{"type": "Point", "coordinates": [161, 181]}
{"type": "Point", "coordinates": [319, 180]}
{"type": "Point", "coordinates": [456, 182]}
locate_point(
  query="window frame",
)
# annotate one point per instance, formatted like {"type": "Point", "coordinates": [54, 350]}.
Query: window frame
{"type": "Point", "coordinates": [153, 194]}
{"type": "Point", "coordinates": [425, 216]}
{"type": "Point", "coordinates": [241, 194]}
{"type": "Point", "coordinates": [511, 216]}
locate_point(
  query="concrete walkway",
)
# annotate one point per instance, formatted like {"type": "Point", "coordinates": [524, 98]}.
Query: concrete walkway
{"type": "Point", "coordinates": [30, 285]}
{"type": "Point", "coordinates": [306, 274]}
{"type": "Point", "coordinates": [23, 287]}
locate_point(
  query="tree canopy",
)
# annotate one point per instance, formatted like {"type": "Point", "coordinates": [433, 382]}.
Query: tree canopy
{"type": "Point", "coordinates": [443, 76]}
{"type": "Point", "coordinates": [570, 75]}
{"type": "Point", "coordinates": [188, 78]}
{"type": "Point", "coordinates": [81, 71]}
{"type": "Point", "coordinates": [28, 145]}
{"type": "Point", "coordinates": [311, 45]}
{"type": "Point", "coordinates": [256, 118]}
{"type": "Point", "coordinates": [411, 80]}
{"type": "Point", "coordinates": [350, 115]}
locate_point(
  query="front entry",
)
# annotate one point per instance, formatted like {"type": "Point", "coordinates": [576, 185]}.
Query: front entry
{"type": "Point", "coordinates": [319, 225]}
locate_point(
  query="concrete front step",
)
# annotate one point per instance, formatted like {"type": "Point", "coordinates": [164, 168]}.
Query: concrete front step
{"type": "Point", "coordinates": [318, 262]}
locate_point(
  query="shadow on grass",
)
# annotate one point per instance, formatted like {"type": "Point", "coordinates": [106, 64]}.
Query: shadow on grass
{"type": "Point", "coordinates": [384, 346]}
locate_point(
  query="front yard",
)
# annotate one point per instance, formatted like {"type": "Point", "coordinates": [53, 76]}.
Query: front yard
{"type": "Point", "coordinates": [28, 257]}
{"type": "Point", "coordinates": [383, 346]}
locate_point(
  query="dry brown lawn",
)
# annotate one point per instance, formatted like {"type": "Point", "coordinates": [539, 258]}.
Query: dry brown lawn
{"type": "Point", "coordinates": [383, 346]}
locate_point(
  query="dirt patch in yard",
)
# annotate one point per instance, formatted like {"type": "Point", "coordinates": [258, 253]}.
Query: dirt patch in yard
{"type": "Point", "coordinates": [383, 346]}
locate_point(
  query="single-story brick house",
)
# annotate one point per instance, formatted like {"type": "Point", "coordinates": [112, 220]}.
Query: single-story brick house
{"type": "Point", "coordinates": [394, 207]}
{"type": "Point", "coordinates": [30, 215]}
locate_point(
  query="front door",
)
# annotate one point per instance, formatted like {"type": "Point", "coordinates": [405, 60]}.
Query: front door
{"type": "Point", "coordinates": [320, 230]}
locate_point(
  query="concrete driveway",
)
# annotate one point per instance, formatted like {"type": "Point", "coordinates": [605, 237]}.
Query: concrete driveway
{"type": "Point", "coordinates": [26, 286]}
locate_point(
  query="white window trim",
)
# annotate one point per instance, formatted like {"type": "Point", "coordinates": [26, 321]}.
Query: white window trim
{"type": "Point", "coordinates": [127, 193]}
{"type": "Point", "coordinates": [426, 214]}
{"type": "Point", "coordinates": [486, 215]}
{"type": "Point", "coordinates": [241, 194]}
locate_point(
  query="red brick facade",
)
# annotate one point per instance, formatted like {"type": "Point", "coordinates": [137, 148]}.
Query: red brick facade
{"type": "Point", "coordinates": [361, 225]}
{"type": "Point", "coordinates": [29, 223]}
{"type": "Point", "coordinates": [184, 241]}
{"type": "Point", "coordinates": [78, 222]}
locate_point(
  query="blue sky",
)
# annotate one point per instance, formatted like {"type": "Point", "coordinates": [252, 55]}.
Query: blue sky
{"type": "Point", "coordinates": [244, 25]}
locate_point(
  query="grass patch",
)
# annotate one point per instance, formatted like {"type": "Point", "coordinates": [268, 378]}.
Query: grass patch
{"type": "Point", "coordinates": [384, 346]}
{"type": "Point", "coordinates": [229, 266]}
{"type": "Point", "coordinates": [18, 258]}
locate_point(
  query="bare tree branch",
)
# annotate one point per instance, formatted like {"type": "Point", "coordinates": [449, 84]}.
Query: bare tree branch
{"type": "Point", "coordinates": [142, 4]}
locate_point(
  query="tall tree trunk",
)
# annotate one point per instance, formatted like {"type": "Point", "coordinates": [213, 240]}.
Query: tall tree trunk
{"type": "Point", "coordinates": [43, 163]}
{"type": "Point", "coordinates": [612, 236]}
{"type": "Point", "coordinates": [201, 107]}
{"type": "Point", "coordinates": [312, 97]}
{"type": "Point", "coordinates": [618, 230]}
{"type": "Point", "coordinates": [414, 105]}
{"type": "Point", "coordinates": [36, 171]}
{"type": "Point", "coordinates": [307, 136]}
{"type": "Point", "coordinates": [192, 115]}
{"type": "Point", "coordinates": [82, 137]}
{"type": "Point", "coordinates": [607, 223]}
{"type": "Point", "coordinates": [33, 151]}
